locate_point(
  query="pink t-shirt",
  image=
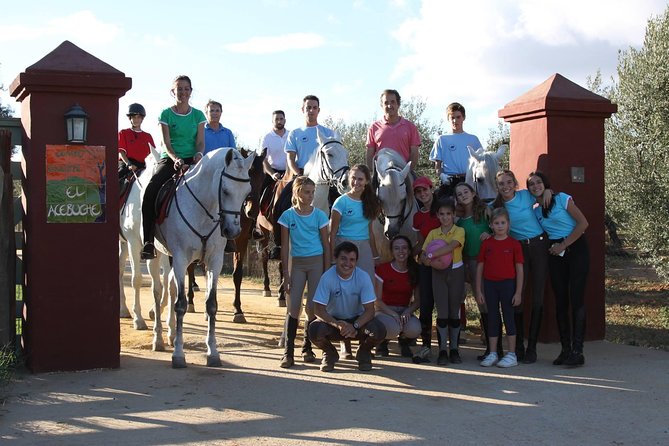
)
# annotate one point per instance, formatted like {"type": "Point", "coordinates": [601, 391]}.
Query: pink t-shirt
{"type": "Point", "coordinates": [399, 137]}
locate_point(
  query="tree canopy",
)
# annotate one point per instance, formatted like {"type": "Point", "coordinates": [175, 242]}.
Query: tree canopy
{"type": "Point", "coordinates": [637, 145]}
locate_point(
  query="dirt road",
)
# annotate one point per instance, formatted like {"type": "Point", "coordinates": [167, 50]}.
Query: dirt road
{"type": "Point", "coordinates": [619, 397]}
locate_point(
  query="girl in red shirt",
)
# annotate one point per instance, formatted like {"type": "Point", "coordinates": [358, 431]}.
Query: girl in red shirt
{"type": "Point", "coordinates": [499, 280]}
{"type": "Point", "coordinates": [396, 286]}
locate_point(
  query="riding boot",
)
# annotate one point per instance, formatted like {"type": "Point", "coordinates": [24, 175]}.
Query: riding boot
{"type": "Point", "coordinates": [230, 246]}
{"type": "Point", "coordinates": [405, 350]}
{"type": "Point", "coordinates": [576, 357]}
{"type": "Point", "coordinates": [535, 327]}
{"type": "Point", "coordinates": [307, 352]}
{"type": "Point", "coordinates": [442, 334]}
{"type": "Point", "coordinates": [565, 338]}
{"type": "Point", "coordinates": [287, 360]}
{"type": "Point", "coordinates": [520, 335]}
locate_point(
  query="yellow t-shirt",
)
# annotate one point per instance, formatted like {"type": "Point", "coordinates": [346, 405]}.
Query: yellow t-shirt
{"type": "Point", "coordinates": [455, 233]}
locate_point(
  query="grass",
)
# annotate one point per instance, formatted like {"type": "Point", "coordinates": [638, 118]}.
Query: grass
{"type": "Point", "coordinates": [8, 362]}
{"type": "Point", "coordinates": [637, 311]}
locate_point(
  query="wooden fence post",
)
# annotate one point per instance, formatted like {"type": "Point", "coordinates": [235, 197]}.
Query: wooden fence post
{"type": "Point", "coordinates": [7, 245]}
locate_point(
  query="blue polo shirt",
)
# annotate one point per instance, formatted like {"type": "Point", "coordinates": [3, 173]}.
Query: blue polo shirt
{"type": "Point", "coordinates": [215, 139]}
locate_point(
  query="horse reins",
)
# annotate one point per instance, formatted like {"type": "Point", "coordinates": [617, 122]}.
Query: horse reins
{"type": "Point", "coordinates": [221, 211]}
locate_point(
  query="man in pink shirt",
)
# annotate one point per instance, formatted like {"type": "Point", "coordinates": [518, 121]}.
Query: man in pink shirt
{"type": "Point", "coordinates": [393, 132]}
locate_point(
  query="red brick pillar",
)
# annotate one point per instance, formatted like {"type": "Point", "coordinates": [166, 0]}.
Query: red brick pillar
{"type": "Point", "coordinates": [71, 266]}
{"type": "Point", "coordinates": [558, 128]}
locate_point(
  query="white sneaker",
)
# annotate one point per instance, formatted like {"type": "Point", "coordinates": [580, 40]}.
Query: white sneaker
{"type": "Point", "coordinates": [509, 360]}
{"type": "Point", "coordinates": [490, 360]}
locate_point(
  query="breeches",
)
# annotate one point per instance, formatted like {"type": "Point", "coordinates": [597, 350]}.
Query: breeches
{"type": "Point", "coordinates": [448, 286]}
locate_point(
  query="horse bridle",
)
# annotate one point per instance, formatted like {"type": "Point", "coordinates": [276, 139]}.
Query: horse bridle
{"type": "Point", "coordinates": [221, 211]}
{"type": "Point", "coordinates": [406, 210]}
{"type": "Point", "coordinates": [332, 181]}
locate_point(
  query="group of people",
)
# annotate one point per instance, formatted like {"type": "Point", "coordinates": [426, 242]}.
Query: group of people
{"type": "Point", "coordinates": [497, 249]}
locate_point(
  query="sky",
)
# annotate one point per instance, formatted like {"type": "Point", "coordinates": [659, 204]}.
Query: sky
{"type": "Point", "coordinates": [256, 56]}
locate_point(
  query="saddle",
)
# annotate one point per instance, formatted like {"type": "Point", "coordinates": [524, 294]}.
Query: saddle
{"type": "Point", "coordinates": [124, 185]}
{"type": "Point", "coordinates": [165, 197]}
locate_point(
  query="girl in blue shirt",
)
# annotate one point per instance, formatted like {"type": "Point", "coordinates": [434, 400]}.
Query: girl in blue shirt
{"type": "Point", "coordinates": [306, 228]}
{"type": "Point", "coordinates": [568, 264]}
{"type": "Point", "coordinates": [352, 216]}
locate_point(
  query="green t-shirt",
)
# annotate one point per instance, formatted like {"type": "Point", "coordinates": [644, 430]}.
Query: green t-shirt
{"type": "Point", "coordinates": [473, 233]}
{"type": "Point", "coordinates": [183, 130]}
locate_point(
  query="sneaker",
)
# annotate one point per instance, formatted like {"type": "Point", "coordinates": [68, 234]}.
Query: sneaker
{"type": "Point", "coordinates": [422, 355]}
{"type": "Point", "coordinates": [443, 357]}
{"type": "Point", "coordinates": [454, 357]}
{"type": "Point", "coordinates": [490, 360]}
{"type": "Point", "coordinates": [382, 349]}
{"type": "Point", "coordinates": [148, 251]}
{"type": "Point", "coordinates": [364, 358]}
{"type": "Point", "coordinates": [328, 361]}
{"type": "Point", "coordinates": [509, 360]}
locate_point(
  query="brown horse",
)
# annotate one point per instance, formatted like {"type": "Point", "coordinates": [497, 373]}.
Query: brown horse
{"type": "Point", "coordinates": [250, 214]}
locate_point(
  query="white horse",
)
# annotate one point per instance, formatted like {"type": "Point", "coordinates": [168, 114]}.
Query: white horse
{"type": "Point", "coordinates": [130, 242]}
{"type": "Point", "coordinates": [204, 213]}
{"type": "Point", "coordinates": [483, 166]}
{"type": "Point", "coordinates": [328, 167]}
{"type": "Point", "coordinates": [395, 192]}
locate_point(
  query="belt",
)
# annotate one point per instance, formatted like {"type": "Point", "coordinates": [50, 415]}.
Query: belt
{"type": "Point", "coordinates": [529, 241]}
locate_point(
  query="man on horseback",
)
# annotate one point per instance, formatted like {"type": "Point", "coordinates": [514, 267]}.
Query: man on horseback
{"type": "Point", "coordinates": [393, 132]}
{"type": "Point", "coordinates": [133, 143]}
{"type": "Point", "coordinates": [450, 154]}
{"type": "Point", "coordinates": [274, 163]}
{"type": "Point", "coordinates": [301, 144]}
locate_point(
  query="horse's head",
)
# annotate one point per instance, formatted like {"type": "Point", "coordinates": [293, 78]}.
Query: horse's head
{"type": "Point", "coordinates": [394, 192]}
{"type": "Point", "coordinates": [234, 185]}
{"type": "Point", "coordinates": [331, 162]}
{"type": "Point", "coordinates": [483, 166]}
{"type": "Point", "coordinates": [257, 176]}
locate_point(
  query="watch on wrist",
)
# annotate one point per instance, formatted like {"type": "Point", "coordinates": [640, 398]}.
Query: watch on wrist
{"type": "Point", "coordinates": [356, 325]}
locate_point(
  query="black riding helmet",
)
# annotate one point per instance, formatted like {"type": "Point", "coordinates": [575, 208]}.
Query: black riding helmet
{"type": "Point", "coordinates": [136, 109]}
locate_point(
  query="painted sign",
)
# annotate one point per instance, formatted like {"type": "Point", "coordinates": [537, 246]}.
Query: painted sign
{"type": "Point", "coordinates": [76, 183]}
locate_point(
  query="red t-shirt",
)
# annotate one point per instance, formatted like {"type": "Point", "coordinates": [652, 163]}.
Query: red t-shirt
{"type": "Point", "coordinates": [499, 258]}
{"type": "Point", "coordinates": [423, 222]}
{"type": "Point", "coordinates": [135, 144]}
{"type": "Point", "coordinates": [397, 290]}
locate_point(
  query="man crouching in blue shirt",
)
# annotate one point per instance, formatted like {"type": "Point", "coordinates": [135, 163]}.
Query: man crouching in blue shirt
{"type": "Point", "coordinates": [344, 308]}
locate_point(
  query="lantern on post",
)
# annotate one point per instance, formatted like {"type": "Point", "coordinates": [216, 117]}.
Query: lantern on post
{"type": "Point", "coordinates": [76, 123]}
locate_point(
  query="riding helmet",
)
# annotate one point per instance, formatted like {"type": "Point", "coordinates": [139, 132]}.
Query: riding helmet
{"type": "Point", "coordinates": [136, 109]}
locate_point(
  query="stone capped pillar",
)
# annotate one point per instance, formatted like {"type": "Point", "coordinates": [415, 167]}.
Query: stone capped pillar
{"type": "Point", "coordinates": [558, 128]}
{"type": "Point", "coordinates": [71, 261]}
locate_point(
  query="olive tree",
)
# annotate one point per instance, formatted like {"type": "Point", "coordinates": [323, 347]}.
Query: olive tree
{"type": "Point", "coordinates": [354, 135]}
{"type": "Point", "coordinates": [637, 145]}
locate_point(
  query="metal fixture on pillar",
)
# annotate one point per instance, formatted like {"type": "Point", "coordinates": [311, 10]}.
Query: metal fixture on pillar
{"type": "Point", "coordinates": [76, 123]}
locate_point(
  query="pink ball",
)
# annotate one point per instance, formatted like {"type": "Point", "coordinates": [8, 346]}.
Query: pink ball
{"type": "Point", "coordinates": [441, 262]}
